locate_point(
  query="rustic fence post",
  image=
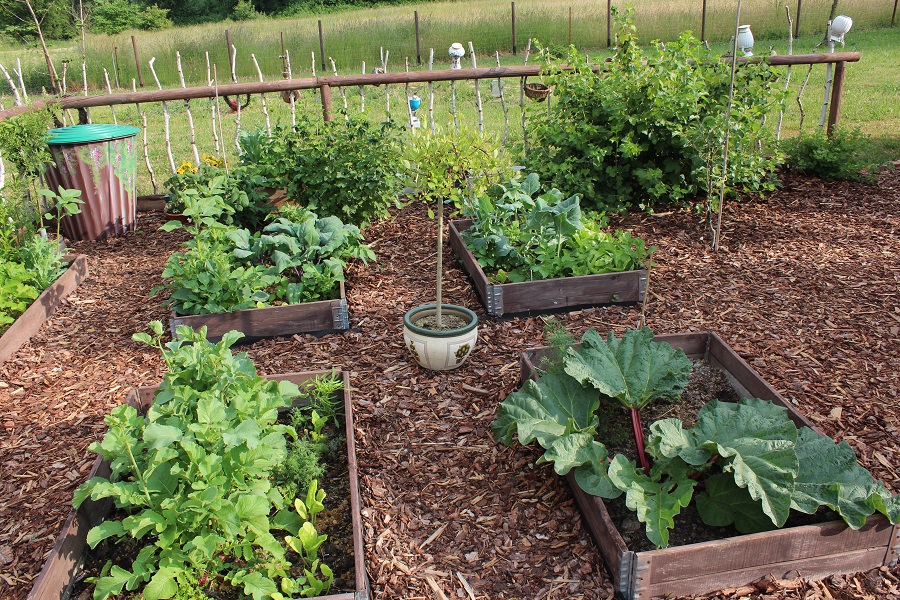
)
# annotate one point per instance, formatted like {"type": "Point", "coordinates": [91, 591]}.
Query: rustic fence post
{"type": "Point", "coordinates": [137, 62]}
{"type": "Point", "coordinates": [837, 93]}
{"type": "Point", "coordinates": [116, 65]}
{"type": "Point", "coordinates": [894, 14]}
{"type": "Point", "coordinates": [321, 45]}
{"type": "Point", "coordinates": [418, 40]}
{"type": "Point", "coordinates": [797, 22]}
{"type": "Point", "coordinates": [703, 22]}
{"type": "Point", "coordinates": [608, 23]}
{"type": "Point", "coordinates": [230, 57]}
{"type": "Point", "coordinates": [513, 28]}
{"type": "Point", "coordinates": [570, 25]}
{"type": "Point", "coordinates": [325, 91]}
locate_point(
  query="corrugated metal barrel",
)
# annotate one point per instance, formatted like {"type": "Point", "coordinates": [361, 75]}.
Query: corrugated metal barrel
{"type": "Point", "coordinates": [101, 161]}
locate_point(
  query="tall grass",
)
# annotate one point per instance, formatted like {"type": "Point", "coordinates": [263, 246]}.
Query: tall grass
{"type": "Point", "coordinates": [354, 36]}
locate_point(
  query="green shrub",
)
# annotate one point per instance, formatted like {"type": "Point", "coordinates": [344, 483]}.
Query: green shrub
{"type": "Point", "coordinates": [348, 169]}
{"type": "Point", "coordinates": [115, 16]}
{"type": "Point", "coordinates": [648, 127]}
{"type": "Point", "coordinates": [840, 156]}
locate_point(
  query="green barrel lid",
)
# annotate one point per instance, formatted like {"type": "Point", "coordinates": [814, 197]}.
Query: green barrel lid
{"type": "Point", "coordinates": [83, 134]}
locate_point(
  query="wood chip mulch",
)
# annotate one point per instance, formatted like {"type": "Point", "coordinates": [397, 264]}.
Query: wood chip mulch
{"type": "Point", "coordinates": [805, 287]}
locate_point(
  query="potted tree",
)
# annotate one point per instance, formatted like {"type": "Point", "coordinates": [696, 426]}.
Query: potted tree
{"type": "Point", "coordinates": [442, 167]}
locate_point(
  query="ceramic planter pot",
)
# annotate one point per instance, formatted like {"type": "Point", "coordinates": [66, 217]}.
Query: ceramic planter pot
{"type": "Point", "coordinates": [440, 350]}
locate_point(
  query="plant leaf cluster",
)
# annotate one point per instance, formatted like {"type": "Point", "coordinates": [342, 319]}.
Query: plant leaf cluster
{"type": "Point", "coordinates": [343, 168]}
{"type": "Point", "coordinates": [745, 464]}
{"type": "Point", "coordinates": [238, 192]}
{"type": "Point", "coordinates": [648, 127]}
{"type": "Point", "coordinates": [224, 268]}
{"type": "Point", "coordinates": [520, 233]}
{"type": "Point", "coordinates": [193, 477]}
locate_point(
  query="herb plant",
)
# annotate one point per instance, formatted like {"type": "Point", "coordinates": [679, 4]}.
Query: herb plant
{"type": "Point", "coordinates": [239, 189]}
{"type": "Point", "coordinates": [193, 477]}
{"type": "Point", "coordinates": [836, 156]}
{"type": "Point", "coordinates": [519, 233]}
{"type": "Point", "coordinates": [744, 464]}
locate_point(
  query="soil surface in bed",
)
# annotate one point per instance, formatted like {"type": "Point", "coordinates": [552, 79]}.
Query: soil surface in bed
{"type": "Point", "coordinates": [804, 287]}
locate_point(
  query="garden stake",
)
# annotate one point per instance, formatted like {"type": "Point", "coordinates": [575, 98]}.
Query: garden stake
{"type": "Point", "coordinates": [362, 93]}
{"type": "Point", "coordinates": [109, 90]}
{"type": "Point", "coordinates": [146, 141]}
{"type": "Point", "coordinates": [717, 234]}
{"type": "Point", "coordinates": [16, 98]}
{"type": "Point", "coordinates": [477, 91]}
{"type": "Point", "coordinates": [522, 100]}
{"type": "Point", "coordinates": [502, 104]}
{"type": "Point", "coordinates": [212, 107]}
{"type": "Point", "coordinates": [343, 91]}
{"type": "Point", "coordinates": [431, 93]}
{"type": "Point", "coordinates": [166, 118]}
{"type": "Point", "coordinates": [262, 98]}
{"type": "Point", "coordinates": [22, 82]}
{"type": "Point", "coordinates": [787, 78]}
{"type": "Point", "coordinates": [187, 111]}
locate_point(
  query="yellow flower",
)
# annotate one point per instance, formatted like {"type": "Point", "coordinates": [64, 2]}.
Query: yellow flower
{"type": "Point", "coordinates": [186, 167]}
{"type": "Point", "coordinates": [213, 161]}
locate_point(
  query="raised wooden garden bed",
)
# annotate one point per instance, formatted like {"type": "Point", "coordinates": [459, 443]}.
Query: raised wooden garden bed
{"type": "Point", "coordinates": [811, 551]}
{"type": "Point", "coordinates": [323, 316]}
{"type": "Point", "coordinates": [40, 310]}
{"type": "Point", "coordinates": [57, 574]}
{"type": "Point", "coordinates": [546, 294]}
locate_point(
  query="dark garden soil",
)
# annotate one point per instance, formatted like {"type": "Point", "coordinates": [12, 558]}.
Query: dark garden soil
{"type": "Point", "coordinates": [805, 287]}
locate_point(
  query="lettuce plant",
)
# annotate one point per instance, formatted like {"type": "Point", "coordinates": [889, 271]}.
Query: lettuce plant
{"type": "Point", "coordinates": [744, 464]}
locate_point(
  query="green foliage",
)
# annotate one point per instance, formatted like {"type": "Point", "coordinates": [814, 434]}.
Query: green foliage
{"type": "Point", "coordinates": [193, 474]}
{"type": "Point", "coordinates": [56, 19]}
{"type": "Point", "coordinates": [15, 292]}
{"type": "Point", "coordinates": [61, 205]}
{"type": "Point", "coordinates": [42, 259]}
{"type": "Point", "coordinates": [238, 192]}
{"type": "Point", "coordinates": [224, 269]}
{"type": "Point", "coordinates": [343, 168]}
{"type": "Point", "coordinates": [632, 370]}
{"type": "Point", "coordinates": [748, 459]}
{"type": "Point", "coordinates": [23, 144]}
{"type": "Point", "coordinates": [517, 235]}
{"type": "Point", "coordinates": [839, 156]}
{"type": "Point", "coordinates": [244, 11]}
{"type": "Point", "coordinates": [115, 16]}
{"type": "Point", "coordinates": [648, 127]}
{"type": "Point", "coordinates": [449, 165]}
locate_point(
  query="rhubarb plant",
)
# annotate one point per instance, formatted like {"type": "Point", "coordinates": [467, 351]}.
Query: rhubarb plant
{"type": "Point", "coordinates": [743, 463]}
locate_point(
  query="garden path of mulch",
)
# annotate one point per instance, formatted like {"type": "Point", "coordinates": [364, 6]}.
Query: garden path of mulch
{"type": "Point", "coordinates": [805, 288]}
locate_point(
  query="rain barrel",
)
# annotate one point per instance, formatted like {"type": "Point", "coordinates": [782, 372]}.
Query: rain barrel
{"type": "Point", "coordinates": [101, 161]}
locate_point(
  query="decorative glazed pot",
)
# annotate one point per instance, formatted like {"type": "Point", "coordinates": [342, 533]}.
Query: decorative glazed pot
{"type": "Point", "coordinates": [440, 350]}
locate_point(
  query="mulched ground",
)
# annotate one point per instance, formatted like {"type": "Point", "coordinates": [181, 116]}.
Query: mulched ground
{"type": "Point", "coordinates": [805, 288]}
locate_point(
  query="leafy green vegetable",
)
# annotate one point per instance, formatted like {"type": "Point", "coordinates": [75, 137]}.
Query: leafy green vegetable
{"type": "Point", "coordinates": [748, 460]}
{"type": "Point", "coordinates": [632, 370]}
{"type": "Point", "coordinates": [517, 235]}
{"type": "Point", "coordinates": [193, 476]}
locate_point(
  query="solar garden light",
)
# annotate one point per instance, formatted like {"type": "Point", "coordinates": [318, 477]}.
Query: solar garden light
{"type": "Point", "coordinates": [838, 29]}
{"type": "Point", "coordinates": [456, 52]}
{"type": "Point", "coordinates": [745, 40]}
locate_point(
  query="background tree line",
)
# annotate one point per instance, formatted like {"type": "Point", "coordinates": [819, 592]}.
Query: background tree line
{"type": "Point", "coordinates": [60, 19]}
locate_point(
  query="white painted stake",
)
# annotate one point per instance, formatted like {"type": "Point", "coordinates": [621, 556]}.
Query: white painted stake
{"type": "Point", "coordinates": [477, 91]}
{"type": "Point", "coordinates": [262, 98]}
{"type": "Point", "coordinates": [187, 110]}
{"type": "Point", "coordinates": [166, 118]}
{"type": "Point", "coordinates": [146, 140]}
{"type": "Point", "coordinates": [343, 91]}
{"type": "Point", "coordinates": [431, 92]}
{"type": "Point", "coordinates": [212, 107]}
{"type": "Point", "coordinates": [502, 103]}
{"type": "Point", "coordinates": [16, 98]}
{"type": "Point", "coordinates": [109, 91]}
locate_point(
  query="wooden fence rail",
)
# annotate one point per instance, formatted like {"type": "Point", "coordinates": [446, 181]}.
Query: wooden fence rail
{"type": "Point", "coordinates": [326, 82]}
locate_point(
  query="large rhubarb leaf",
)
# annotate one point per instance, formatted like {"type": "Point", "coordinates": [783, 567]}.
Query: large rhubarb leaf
{"type": "Point", "coordinates": [593, 478]}
{"type": "Point", "coordinates": [723, 503]}
{"type": "Point", "coordinates": [574, 450]}
{"type": "Point", "coordinates": [656, 498]}
{"type": "Point", "coordinates": [545, 410]}
{"type": "Point", "coordinates": [633, 369]}
{"type": "Point", "coordinates": [760, 450]}
{"type": "Point", "coordinates": [829, 475]}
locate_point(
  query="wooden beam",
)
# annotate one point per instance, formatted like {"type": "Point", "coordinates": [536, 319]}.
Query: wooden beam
{"type": "Point", "coordinates": [837, 93]}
